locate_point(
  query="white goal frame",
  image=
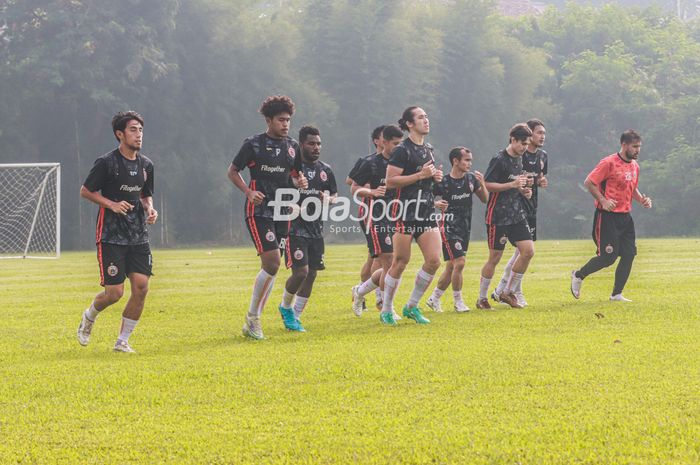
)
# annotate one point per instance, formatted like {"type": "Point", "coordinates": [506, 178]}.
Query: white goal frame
{"type": "Point", "coordinates": [53, 167]}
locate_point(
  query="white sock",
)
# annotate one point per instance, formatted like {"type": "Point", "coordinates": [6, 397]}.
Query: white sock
{"type": "Point", "coordinates": [261, 291]}
{"type": "Point", "coordinates": [457, 296]}
{"type": "Point", "coordinates": [299, 306]}
{"type": "Point", "coordinates": [423, 280]}
{"type": "Point", "coordinates": [515, 280]}
{"type": "Point", "coordinates": [287, 299]}
{"type": "Point", "coordinates": [367, 287]}
{"type": "Point", "coordinates": [127, 328]}
{"type": "Point", "coordinates": [390, 287]}
{"type": "Point", "coordinates": [378, 294]}
{"type": "Point", "coordinates": [506, 273]}
{"type": "Point", "coordinates": [519, 289]}
{"type": "Point", "coordinates": [92, 313]}
{"type": "Point", "coordinates": [484, 287]}
{"type": "Point", "coordinates": [437, 293]}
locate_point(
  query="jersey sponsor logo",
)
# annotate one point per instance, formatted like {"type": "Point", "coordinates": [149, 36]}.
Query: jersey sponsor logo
{"type": "Point", "coordinates": [323, 176]}
{"type": "Point", "coordinates": [298, 254]}
{"type": "Point", "coordinates": [127, 188]}
{"type": "Point", "coordinates": [458, 245]}
{"type": "Point", "coordinates": [270, 236]}
{"type": "Point", "coordinates": [461, 196]}
{"type": "Point", "coordinates": [272, 169]}
{"type": "Point", "coordinates": [133, 173]}
{"type": "Point", "coordinates": [609, 249]}
{"type": "Point", "coordinates": [112, 269]}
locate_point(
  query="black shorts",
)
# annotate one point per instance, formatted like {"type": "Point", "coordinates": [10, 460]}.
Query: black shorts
{"type": "Point", "coordinates": [498, 235]}
{"type": "Point", "coordinates": [379, 238]}
{"type": "Point", "coordinates": [118, 261]}
{"type": "Point", "coordinates": [415, 228]}
{"type": "Point", "coordinates": [532, 224]}
{"type": "Point", "coordinates": [613, 233]}
{"type": "Point", "coordinates": [302, 251]}
{"type": "Point", "coordinates": [263, 231]}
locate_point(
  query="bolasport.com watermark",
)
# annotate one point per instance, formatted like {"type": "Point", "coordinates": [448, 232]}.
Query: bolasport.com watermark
{"type": "Point", "coordinates": [339, 209]}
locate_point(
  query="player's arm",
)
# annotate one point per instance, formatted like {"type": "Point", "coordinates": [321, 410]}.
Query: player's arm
{"type": "Point", "coordinates": [120, 208]}
{"type": "Point", "coordinates": [151, 213]}
{"type": "Point", "coordinates": [518, 183]}
{"type": "Point", "coordinates": [235, 177]}
{"type": "Point", "coordinates": [592, 187]}
{"type": "Point", "coordinates": [395, 177]}
{"type": "Point", "coordinates": [641, 198]}
{"type": "Point", "coordinates": [482, 192]}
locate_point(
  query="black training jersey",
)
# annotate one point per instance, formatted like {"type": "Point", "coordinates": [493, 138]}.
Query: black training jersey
{"type": "Point", "coordinates": [373, 172]}
{"type": "Point", "coordinates": [504, 207]}
{"type": "Point", "coordinates": [321, 179]}
{"type": "Point", "coordinates": [270, 161]}
{"type": "Point", "coordinates": [118, 178]}
{"type": "Point", "coordinates": [416, 199]}
{"type": "Point", "coordinates": [358, 164]}
{"type": "Point", "coordinates": [534, 165]}
{"type": "Point", "coordinates": [458, 194]}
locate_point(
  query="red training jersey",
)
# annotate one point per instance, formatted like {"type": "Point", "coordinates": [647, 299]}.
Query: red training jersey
{"type": "Point", "coordinates": [617, 180]}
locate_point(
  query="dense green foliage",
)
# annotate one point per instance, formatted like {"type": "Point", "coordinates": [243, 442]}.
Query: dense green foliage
{"type": "Point", "coordinates": [198, 70]}
{"type": "Point", "coordinates": [552, 384]}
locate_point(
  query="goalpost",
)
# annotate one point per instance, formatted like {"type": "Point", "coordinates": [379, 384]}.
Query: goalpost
{"type": "Point", "coordinates": [30, 210]}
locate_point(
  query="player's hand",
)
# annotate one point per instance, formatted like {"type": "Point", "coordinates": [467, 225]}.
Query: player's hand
{"type": "Point", "coordinates": [520, 182]}
{"type": "Point", "coordinates": [542, 182]}
{"type": "Point", "coordinates": [121, 208]}
{"type": "Point", "coordinates": [152, 216]}
{"type": "Point", "coordinates": [479, 177]}
{"type": "Point", "coordinates": [427, 172]}
{"type": "Point", "coordinates": [608, 205]}
{"type": "Point", "coordinates": [437, 175]}
{"type": "Point", "coordinates": [301, 182]}
{"type": "Point", "coordinates": [441, 204]}
{"type": "Point", "coordinates": [255, 197]}
{"type": "Point", "coordinates": [379, 191]}
{"type": "Point", "coordinates": [527, 192]}
{"type": "Point", "coordinates": [327, 195]}
{"type": "Point", "coordinates": [646, 201]}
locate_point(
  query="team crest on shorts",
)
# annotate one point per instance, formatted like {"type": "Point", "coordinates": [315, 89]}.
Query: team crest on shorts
{"type": "Point", "coordinates": [112, 269]}
{"type": "Point", "coordinates": [458, 245]}
{"type": "Point", "coordinates": [503, 240]}
{"type": "Point", "coordinates": [298, 254]}
{"type": "Point", "coordinates": [270, 236]}
{"type": "Point", "coordinates": [323, 176]}
{"type": "Point", "coordinates": [609, 249]}
{"type": "Point", "coordinates": [387, 240]}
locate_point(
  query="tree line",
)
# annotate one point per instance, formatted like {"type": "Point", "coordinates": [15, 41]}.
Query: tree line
{"type": "Point", "coordinates": [198, 69]}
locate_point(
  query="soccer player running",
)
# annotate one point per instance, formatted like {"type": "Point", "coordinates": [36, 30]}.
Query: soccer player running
{"type": "Point", "coordinates": [455, 192]}
{"type": "Point", "coordinates": [370, 266]}
{"type": "Point", "coordinates": [121, 183]}
{"type": "Point", "coordinates": [271, 157]}
{"type": "Point", "coordinates": [304, 247]}
{"type": "Point", "coordinates": [370, 185]}
{"type": "Point", "coordinates": [613, 185]}
{"type": "Point", "coordinates": [412, 172]}
{"type": "Point", "coordinates": [535, 167]}
{"type": "Point", "coordinates": [506, 218]}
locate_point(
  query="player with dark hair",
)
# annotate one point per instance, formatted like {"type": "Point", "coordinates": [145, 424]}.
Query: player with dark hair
{"type": "Point", "coordinates": [412, 172]}
{"type": "Point", "coordinates": [506, 218]}
{"type": "Point", "coordinates": [613, 184]}
{"type": "Point", "coordinates": [535, 167]}
{"type": "Point", "coordinates": [121, 183]}
{"type": "Point", "coordinates": [271, 158]}
{"type": "Point", "coordinates": [370, 183]}
{"type": "Point", "coordinates": [304, 247]}
{"type": "Point", "coordinates": [370, 266]}
{"type": "Point", "coordinates": [455, 194]}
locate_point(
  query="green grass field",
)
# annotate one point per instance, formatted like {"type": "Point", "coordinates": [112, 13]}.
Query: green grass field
{"type": "Point", "coordinates": [551, 384]}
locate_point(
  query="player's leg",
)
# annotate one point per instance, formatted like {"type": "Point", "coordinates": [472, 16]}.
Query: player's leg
{"type": "Point", "coordinates": [297, 254]}
{"type": "Point", "coordinates": [496, 241]}
{"type": "Point", "coordinates": [628, 250]}
{"type": "Point", "coordinates": [428, 239]}
{"type": "Point", "coordinates": [526, 249]}
{"type": "Point", "coordinates": [316, 251]}
{"type": "Point", "coordinates": [606, 239]}
{"type": "Point", "coordinates": [402, 255]}
{"type": "Point", "coordinates": [262, 232]}
{"type": "Point", "coordinates": [503, 283]}
{"type": "Point", "coordinates": [445, 277]}
{"type": "Point", "coordinates": [457, 279]}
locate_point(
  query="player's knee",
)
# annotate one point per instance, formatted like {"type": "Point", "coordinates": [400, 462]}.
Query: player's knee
{"type": "Point", "coordinates": [113, 294]}
{"type": "Point", "coordinates": [608, 259]}
{"type": "Point", "coordinates": [432, 265]}
{"type": "Point", "coordinates": [311, 275]}
{"type": "Point", "coordinates": [528, 253]}
{"type": "Point", "coordinates": [458, 264]}
{"type": "Point", "coordinates": [300, 273]}
{"type": "Point", "coordinates": [139, 290]}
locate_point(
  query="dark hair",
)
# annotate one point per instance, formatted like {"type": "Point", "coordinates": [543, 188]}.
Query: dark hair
{"type": "Point", "coordinates": [377, 132]}
{"type": "Point", "coordinates": [457, 153]}
{"type": "Point", "coordinates": [276, 104]}
{"type": "Point", "coordinates": [406, 117]}
{"type": "Point", "coordinates": [533, 123]}
{"type": "Point", "coordinates": [520, 132]}
{"type": "Point", "coordinates": [121, 119]}
{"type": "Point", "coordinates": [630, 136]}
{"type": "Point", "coordinates": [307, 131]}
{"type": "Point", "coordinates": [391, 131]}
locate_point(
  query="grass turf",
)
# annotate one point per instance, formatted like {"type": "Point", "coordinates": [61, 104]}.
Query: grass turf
{"type": "Point", "coordinates": [549, 384]}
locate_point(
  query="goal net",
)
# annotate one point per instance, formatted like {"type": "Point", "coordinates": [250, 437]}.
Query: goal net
{"type": "Point", "coordinates": [30, 210]}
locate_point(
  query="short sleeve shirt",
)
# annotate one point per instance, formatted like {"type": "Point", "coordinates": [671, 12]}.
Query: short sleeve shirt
{"type": "Point", "coordinates": [321, 179]}
{"type": "Point", "coordinates": [506, 207]}
{"type": "Point", "coordinates": [120, 179]}
{"type": "Point", "coordinates": [373, 172]}
{"type": "Point", "coordinates": [458, 194]}
{"type": "Point", "coordinates": [617, 180]}
{"type": "Point", "coordinates": [534, 165]}
{"type": "Point", "coordinates": [270, 161]}
{"type": "Point", "coordinates": [417, 198]}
